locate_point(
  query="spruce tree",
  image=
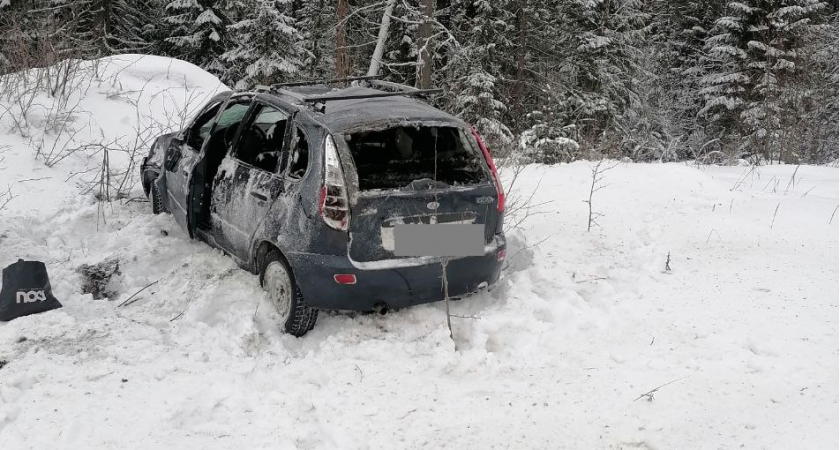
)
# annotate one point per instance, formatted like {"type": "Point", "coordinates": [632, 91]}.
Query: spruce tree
{"type": "Point", "coordinates": [603, 39]}
{"type": "Point", "coordinates": [266, 44]}
{"type": "Point", "coordinates": [474, 73]}
{"type": "Point", "coordinates": [198, 33]}
{"type": "Point", "coordinates": [314, 21]}
{"type": "Point", "coordinates": [105, 27]}
{"type": "Point", "coordinates": [752, 56]}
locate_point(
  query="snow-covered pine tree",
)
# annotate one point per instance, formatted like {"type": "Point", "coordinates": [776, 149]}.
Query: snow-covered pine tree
{"type": "Point", "coordinates": [400, 63]}
{"type": "Point", "coordinates": [267, 47]}
{"type": "Point", "coordinates": [817, 96]}
{"type": "Point", "coordinates": [474, 74]}
{"type": "Point", "coordinates": [198, 33]}
{"type": "Point", "coordinates": [105, 27]}
{"type": "Point", "coordinates": [603, 39]}
{"type": "Point", "coordinates": [752, 55]}
{"type": "Point", "coordinates": [315, 20]}
{"type": "Point", "coordinates": [535, 92]}
{"type": "Point", "coordinates": [671, 55]}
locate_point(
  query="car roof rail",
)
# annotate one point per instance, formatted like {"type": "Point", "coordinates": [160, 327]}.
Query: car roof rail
{"type": "Point", "coordinates": [325, 81]}
{"type": "Point", "coordinates": [395, 87]}
{"type": "Point", "coordinates": [289, 93]}
{"type": "Point", "coordinates": [319, 102]}
{"type": "Point", "coordinates": [331, 98]}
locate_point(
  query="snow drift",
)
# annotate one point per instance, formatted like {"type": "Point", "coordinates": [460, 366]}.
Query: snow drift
{"type": "Point", "coordinates": [560, 354]}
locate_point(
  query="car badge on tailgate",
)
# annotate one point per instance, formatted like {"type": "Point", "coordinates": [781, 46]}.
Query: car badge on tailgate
{"type": "Point", "coordinates": [433, 205]}
{"type": "Point", "coordinates": [484, 200]}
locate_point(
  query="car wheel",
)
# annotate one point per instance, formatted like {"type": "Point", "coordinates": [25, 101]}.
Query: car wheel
{"type": "Point", "coordinates": [156, 199]}
{"type": "Point", "coordinates": [278, 282]}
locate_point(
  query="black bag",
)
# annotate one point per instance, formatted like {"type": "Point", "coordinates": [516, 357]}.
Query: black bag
{"type": "Point", "coordinates": [26, 290]}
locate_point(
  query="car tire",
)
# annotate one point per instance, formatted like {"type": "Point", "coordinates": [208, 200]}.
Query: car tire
{"type": "Point", "coordinates": [278, 281]}
{"type": "Point", "coordinates": [156, 199]}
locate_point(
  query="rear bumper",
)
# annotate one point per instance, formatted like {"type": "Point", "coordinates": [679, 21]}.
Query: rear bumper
{"type": "Point", "coordinates": [398, 287]}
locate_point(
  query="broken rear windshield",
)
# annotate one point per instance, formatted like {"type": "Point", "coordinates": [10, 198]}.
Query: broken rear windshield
{"type": "Point", "coordinates": [396, 157]}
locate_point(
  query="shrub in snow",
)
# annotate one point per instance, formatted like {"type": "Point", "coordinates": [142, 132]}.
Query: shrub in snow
{"type": "Point", "coordinates": [545, 145]}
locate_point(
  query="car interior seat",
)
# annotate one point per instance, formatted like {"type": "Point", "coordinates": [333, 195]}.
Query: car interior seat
{"type": "Point", "coordinates": [268, 158]}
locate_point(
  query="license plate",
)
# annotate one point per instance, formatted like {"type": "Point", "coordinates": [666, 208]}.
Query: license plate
{"type": "Point", "coordinates": [442, 239]}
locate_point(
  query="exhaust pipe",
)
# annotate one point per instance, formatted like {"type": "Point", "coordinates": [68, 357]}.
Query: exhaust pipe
{"type": "Point", "coordinates": [380, 308]}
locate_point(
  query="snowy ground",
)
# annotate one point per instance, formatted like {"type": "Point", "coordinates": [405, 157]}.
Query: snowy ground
{"type": "Point", "coordinates": [557, 355]}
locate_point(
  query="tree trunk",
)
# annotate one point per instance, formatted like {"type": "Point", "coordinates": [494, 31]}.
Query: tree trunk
{"type": "Point", "coordinates": [341, 69]}
{"type": "Point", "coordinates": [518, 88]}
{"type": "Point", "coordinates": [425, 62]}
{"type": "Point", "coordinates": [376, 59]}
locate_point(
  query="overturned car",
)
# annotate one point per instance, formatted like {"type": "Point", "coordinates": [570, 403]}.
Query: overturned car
{"type": "Point", "coordinates": [306, 186]}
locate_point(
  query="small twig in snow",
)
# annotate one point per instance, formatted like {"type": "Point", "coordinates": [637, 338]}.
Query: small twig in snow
{"type": "Point", "coordinates": [649, 394]}
{"type": "Point", "coordinates": [710, 235]}
{"type": "Point", "coordinates": [126, 303]}
{"type": "Point", "coordinates": [774, 215]}
{"type": "Point", "coordinates": [7, 197]}
{"type": "Point", "coordinates": [792, 182]}
{"type": "Point", "coordinates": [595, 186]}
{"type": "Point", "coordinates": [33, 179]}
{"type": "Point", "coordinates": [587, 280]}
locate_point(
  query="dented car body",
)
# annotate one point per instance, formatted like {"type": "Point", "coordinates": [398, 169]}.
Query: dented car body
{"type": "Point", "coordinates": [312, 196]}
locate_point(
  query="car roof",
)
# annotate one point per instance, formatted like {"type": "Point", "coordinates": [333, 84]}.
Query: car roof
{"type": "Point", "coordinates": [351, 114]}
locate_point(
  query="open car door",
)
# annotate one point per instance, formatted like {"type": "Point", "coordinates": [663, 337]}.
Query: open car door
{"type": "Point", "coordinates": [181, 157]}
{"type": "Point", "coordinates": [189, 171]}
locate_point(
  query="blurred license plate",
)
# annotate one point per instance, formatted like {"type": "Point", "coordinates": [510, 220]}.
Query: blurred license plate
{"type": "Point", "coordinates": [442, 239]}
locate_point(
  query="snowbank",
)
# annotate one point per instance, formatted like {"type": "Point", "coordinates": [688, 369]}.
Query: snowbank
{"type": "Point", "coordinates": [118, 104]}
{"type": "Point", "coordinates": [558, 355]}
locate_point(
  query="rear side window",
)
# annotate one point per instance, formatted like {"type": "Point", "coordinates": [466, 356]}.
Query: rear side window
{"type": "Point", "coordinates": [299, 157]}
{"type": "Point", "coordinates": [395, 157]}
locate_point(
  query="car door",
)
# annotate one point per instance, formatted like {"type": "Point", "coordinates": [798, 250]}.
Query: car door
{"type": "Point", "coordinates": [248, 182]}
{"type": "Point", "coordinates": [181, 157]}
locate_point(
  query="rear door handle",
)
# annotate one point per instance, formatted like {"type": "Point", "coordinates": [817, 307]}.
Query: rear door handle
{"type": "Point", "coordinates": [259, 196]}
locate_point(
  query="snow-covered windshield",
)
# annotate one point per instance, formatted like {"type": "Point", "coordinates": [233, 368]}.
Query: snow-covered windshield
{"type": "Point", "coordinates": [395, 157]}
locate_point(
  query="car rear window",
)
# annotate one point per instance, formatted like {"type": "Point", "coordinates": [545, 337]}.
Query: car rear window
{"type": "Point", "coordinates": [396, 157]}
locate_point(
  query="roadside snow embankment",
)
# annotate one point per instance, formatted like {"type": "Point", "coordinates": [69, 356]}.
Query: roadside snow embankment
{"type": "Point", "coordinates": [61, 125]}
{"type": "Point", "coordinates": [558, 355]}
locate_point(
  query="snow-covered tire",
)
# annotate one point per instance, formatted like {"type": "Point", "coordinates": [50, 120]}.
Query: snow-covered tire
{"type": "Point", "coordinates": [155, 199]}
{"type": "Point", "coordinates": [278, 281]}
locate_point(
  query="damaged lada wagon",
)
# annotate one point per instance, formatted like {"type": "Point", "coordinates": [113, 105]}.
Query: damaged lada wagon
{"type": "Point", "coordinates": [305, 186]}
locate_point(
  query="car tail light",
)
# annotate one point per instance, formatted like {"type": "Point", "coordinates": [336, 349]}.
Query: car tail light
{"type": "Point", "coordinates": [500, 256]}
{"type": "Point", "coordinates": [344, 278]}
{"type": "Point", "coordinates": [333, 204]}
{"type": "Point", "coordinates": [499, 190]}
